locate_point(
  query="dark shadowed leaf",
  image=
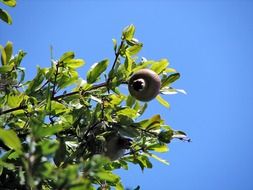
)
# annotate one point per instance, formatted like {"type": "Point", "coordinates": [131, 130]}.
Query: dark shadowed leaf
{"type": "Point", "coordinates": [4, 15]}
{"type": "Point", "coordinates": [170, 79]}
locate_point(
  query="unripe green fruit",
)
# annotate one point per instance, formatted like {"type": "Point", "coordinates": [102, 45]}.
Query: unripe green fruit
{"type": "Point", "coordinates": [144, 85]}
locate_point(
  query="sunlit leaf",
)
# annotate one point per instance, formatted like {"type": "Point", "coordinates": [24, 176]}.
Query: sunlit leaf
{"type": "Point", "coordinates": [3, 56]}
{"type": "Point", "coordinates": [134, 49]}
{"type": "Point", "coordinates": [36, 82]}
{"type": "Point", "coordinates": [108, 176]}
{"type": "Point", "coordinates": [127, 112]}
{"type": "Point", "coordinates": [57, 107]}
{"type": "Point", "coordinates": [5, 69]}
{"type": "Point", "coordinates": [159, 66]}
{"type": "Point", "coordinates": [128, 32]}
{"type": "Point", "coordinates": [67, 56]}
{"type": "Point", "coordinates": [162, 101]}
{"type": "Point", "coordinates": [159, 147]}
{"type": "Point", "coordinates": [15, 100]}
{"type": "Point", "coordinates": [143, 161]}
{"type": "Point", "coordinates": [128, 63]}
{"type": "Point", "coordinates": [8, 51]}
{"type": "Point", "coordinates": [75, 63]}
{"type": "Point", "coordinates": [151, 123]}
{"type": "Point", "coordinates": [11, 3]}
{"type": "Point", "coordinates": [96, 70]}
{"type": "Point", "coordinates": [10, 139]}
{"type": "Point", "coordinates": [119, 186]}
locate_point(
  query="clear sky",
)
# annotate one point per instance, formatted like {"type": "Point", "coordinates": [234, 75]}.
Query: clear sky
{"type": "Point", "coordinates": [209, 42]}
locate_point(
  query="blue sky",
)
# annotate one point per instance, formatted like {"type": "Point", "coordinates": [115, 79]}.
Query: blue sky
{"type": "Point", "coordinates": [209, 42]}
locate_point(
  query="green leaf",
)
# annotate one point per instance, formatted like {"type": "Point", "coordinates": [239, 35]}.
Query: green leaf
{"type": "Point", "coordinates": [10, 3]}
{"type": "Point", "coordinates": [44, 131]}
{"type": "Point", "coordinates": [36, 82]}
{"type": "Point", "coordinates": [151, 123]}
{"type": "Point", "coordinates": [119, 186]}
{"type": "Point", "coordinates": [160, 66]}
{"type": "Point", "coordinates": [67, 79]}
{"type": "Point", "coordinates": [128, 63]}
{"type": "Point", "coordinates": [170, 79]}
{"type": "Point", "coordinates": [143, 161]}
{"type": "Point", "coordinates": [116, 99]}
{"type": "Point", "coordinates": [18, 58]}
{"type": "Point", "coordinates": [128, 131]}
{"type": "Point", "coordinates": [127, 112]}
{"type": "Point", "coordinates": [67, 56]}
{"type": "Point", "coordinates": [142, 109]}
{"type": "Point", "coordinates": [48, 146]}
{"type": "Point", "coordinates": [159, 147]}
{"type": "Point", "coordinates": [162, 101]}
{"type": "Point", "coordinates": [159, 159]}
{"type": "Point", "coordinates": [10, 139]}
{"type": "Point", "coordinates": [15, 100]}
{"type": "Point", "coordinates": [75, 63]}
{"type": "Point", "coordinates": [6, 68]}
{"type": "Point", "coordinates": [3, 56]}
{"type": "Point", "coordinates": [128, 32]}
{"type": "Point", "coordinates": [108, 176]}
{"type": "Point", "coordinates": [134, 49]}
{"type": "Point", "coordinates": [8, 51]}
{"type": "Point", "coordinates": [114, 44]}
{"type": "Point", "coordinates": [165, 136]}
{"type": "Point", "coordinates": [130, 101]}
{"type": "Point", "coordinates": [96, 70]}
{"type": "Point", "coordinates": [4, 15]}
{"type": "Point", "coordinates": [56, 108]}
{"type": "Point", "coordinates": [9, 166]}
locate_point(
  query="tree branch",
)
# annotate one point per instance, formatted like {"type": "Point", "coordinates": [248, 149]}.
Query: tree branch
{"type": "Point", "coordinates": [13, 109]}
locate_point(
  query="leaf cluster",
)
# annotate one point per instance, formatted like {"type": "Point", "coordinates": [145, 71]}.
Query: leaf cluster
{"type": "Point", "coordinates": [55, 129]}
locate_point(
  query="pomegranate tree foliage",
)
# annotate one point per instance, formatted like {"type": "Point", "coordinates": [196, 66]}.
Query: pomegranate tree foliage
{"type": "Point", "coordinates": [56, 130]}
{"type": "Point", "coordinates": [4, 15]}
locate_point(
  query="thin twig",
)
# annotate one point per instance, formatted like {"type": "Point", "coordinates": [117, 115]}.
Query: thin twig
{"type": "Point", "coordinates": [96, 86]}
{"type": "Point", "coordinates": [55, 78]}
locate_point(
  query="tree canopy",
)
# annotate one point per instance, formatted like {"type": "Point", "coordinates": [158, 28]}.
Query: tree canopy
{"type": "Point", "coordinates": [62, 131]}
